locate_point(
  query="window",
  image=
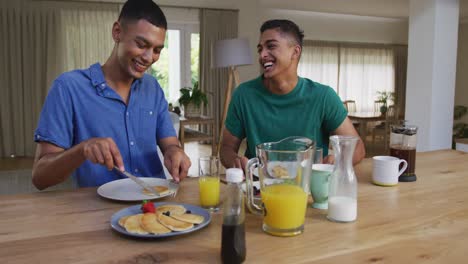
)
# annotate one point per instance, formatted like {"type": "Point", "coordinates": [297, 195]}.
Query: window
{"type": "Point", "coordinates": [355, 72]}
{"type": "Point", "coordinates": [320, 64]}
{"type": "Point", "coordinates": [177, 66]}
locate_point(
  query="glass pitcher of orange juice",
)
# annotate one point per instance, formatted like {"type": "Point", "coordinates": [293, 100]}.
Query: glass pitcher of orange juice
{"type": "Point", "coordinates": [284, 169]}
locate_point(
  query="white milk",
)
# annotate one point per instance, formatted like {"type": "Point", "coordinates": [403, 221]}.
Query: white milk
{"type": "Point", "coordinates": [342, 208]}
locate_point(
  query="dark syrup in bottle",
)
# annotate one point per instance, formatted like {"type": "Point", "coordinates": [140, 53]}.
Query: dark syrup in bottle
{"type": "Point", "coordinates": [233, 249]}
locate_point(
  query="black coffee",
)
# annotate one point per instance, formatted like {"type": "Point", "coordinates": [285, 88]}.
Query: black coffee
{"type": "Point", "coordinates": [407, 154]}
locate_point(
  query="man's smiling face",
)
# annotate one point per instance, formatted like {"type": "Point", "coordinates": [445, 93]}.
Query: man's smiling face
{"type": "Point", "coordinates": [277, 53]}
{"type": "Point", "coordinates": [139, 46]}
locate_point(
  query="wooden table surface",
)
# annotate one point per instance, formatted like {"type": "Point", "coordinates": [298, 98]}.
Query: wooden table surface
{"type": "Point", "coordinates": [421, 222]}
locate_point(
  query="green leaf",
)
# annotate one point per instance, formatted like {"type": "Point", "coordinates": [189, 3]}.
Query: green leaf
{"type": "Point", "coordinates": [459, 111]}
{"type": "Point", "coordinates": [193, 95]}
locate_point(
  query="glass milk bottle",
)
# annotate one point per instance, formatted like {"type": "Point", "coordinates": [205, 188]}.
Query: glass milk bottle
{"type": "Point", "coordinates": [342, 196]}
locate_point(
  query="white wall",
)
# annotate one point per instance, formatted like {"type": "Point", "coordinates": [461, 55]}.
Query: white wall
{"type": "Point", "coordinates": [351, 28]}
{"type": "Point", "coordinates": [432, 55]}
{"type": "Point", "coordinates": [461, 92]}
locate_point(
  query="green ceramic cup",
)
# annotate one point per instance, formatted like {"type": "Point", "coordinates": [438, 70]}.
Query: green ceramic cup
{"type": "Point", "coordinates": [319, 185]}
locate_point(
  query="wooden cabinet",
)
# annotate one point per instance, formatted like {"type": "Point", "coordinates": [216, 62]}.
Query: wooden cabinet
{"type": "Point", "coordinates": [187, 134]}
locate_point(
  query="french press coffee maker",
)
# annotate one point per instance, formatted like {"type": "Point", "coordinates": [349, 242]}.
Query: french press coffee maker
{"type": "Point", "coordinates": [403, 146]}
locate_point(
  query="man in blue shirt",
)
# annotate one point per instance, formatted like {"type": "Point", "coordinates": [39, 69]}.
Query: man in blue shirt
{"type": "Point", "coordinates": [111, 115]}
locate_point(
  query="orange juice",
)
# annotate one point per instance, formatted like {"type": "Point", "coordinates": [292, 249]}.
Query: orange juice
{"type": "Point", "coordinates": [285, 206]}
{"type": "Point", "coordinates": [209, 191]}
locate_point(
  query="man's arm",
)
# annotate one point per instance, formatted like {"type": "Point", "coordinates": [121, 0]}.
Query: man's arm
{"type": "Point", "coordinates": [53, 165]}
{"type": "Point", "coordinates": [347, 129]}
{"type": "Point", "coordinates": [229, 149]}
{"type": "Point", "coordinates": [175, 159]}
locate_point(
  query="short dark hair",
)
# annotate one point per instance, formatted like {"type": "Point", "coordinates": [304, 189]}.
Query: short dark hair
{"type": "Point", "coordinates": [285, 26]}
{"type": "Point", "coordinates": [148, 10]}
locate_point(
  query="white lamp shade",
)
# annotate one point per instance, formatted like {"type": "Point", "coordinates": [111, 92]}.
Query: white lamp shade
{"type": "Point", "coordinates": [231, 52]}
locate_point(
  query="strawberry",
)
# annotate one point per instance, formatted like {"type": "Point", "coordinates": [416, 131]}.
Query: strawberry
{"type": "Point", "coordinates": [148, 207]}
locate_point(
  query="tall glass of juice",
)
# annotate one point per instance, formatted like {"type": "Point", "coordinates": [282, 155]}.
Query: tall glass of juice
{"type": "Point", "coordinates": [209, 182]}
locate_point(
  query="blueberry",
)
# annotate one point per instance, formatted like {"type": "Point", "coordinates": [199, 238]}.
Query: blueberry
{"type": "Point", "coordinates": [167, 213]}
{"type": "Point", "coordinates": [188, 212]}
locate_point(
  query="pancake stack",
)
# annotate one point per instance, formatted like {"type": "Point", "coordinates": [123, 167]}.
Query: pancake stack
{"type": "Point", "coordinates": [167, 218]}
{"type": "Point", "coordinates": [162, 190]}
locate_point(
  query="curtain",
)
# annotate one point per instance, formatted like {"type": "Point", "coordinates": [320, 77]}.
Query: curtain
{"type": "Point", "coordinates": [40, 40]}
{"type": "Point", "coordinates": [357, 71]}
{"type": "Point", "coordinates": [28, 63]}
{"type": "Point", "coordinates": [215, 25]}
{"type": "Point", "coordinates": [319, 62]}
{"type": "Point", "coordinates": [87, 33]}
{"type": "Point", "coordinates": [400, 62]}
{"type": "Point", "coordinates": [363, 73]}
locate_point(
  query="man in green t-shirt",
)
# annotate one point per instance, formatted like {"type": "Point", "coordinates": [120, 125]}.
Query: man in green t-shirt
{"type": "Point", "coordinates": [279, 103]}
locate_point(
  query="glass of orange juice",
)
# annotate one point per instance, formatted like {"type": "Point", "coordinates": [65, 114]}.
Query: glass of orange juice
{"type": "Point", "coordinates": [209, 182]}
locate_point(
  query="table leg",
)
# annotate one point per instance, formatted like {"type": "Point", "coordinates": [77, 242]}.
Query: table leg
{"type": "Point", "coordinates": [363, 130]}
{"type": "Point", "coordinates": [213, 140]}
{"type": "Point", "coordinates": [182, 134]}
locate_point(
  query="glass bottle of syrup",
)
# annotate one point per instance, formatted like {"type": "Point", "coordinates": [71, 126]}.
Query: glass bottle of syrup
{"type": "Point", "coordinates": [233, 248]}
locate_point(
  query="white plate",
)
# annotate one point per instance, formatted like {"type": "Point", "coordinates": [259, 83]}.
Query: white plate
{"type": "Point", "coordinates": [136, 210]}
{"type": "Point", "coordinates": [127, 190]}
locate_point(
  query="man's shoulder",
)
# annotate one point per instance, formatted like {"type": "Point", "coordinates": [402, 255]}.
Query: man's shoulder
{"type": "Point", "coordinates": [249, 86]}
{"type": "Point", "coordinates": [253, 82]}
{"type": "Point", "coordinates": [316, 86]}
{"type": "Point", "coordinates": [310, 83]}
{"type": "Point", "coordinates": [74, 76]}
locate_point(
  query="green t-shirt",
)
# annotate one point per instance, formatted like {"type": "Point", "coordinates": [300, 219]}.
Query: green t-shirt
{"type": "Point", "coordinates": [310, 110]}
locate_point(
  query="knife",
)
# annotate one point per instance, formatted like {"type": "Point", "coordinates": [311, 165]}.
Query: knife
{"type": "Point", "coordinates": [137, 181]}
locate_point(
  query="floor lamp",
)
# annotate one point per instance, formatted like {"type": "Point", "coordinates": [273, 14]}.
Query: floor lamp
{"type": "Point", "coordinates": [230, 53]}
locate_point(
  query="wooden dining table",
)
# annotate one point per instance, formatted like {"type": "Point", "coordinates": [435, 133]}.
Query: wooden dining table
{"type": "Point", "coordinates": [363, 118]}
{"type": "Point", "coordinates": [419, 222]}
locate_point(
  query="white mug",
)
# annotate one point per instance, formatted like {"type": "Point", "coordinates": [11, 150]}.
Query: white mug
{"type": "Point", "coordinates": [385, 170]}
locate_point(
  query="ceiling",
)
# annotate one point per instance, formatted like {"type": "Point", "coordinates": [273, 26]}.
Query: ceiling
{"type": "Point", "coordinates": [377, 8]}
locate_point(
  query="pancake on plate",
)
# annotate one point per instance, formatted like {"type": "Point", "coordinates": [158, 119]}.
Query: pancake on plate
{"type": "Point", "coordinates": [122, 220]}
{"type": "Point", "coordinates": [150, 223]}
{"type": "Point", "coordinates": [189, 218]}
{"type": "Point", "coordinates": [173, 224]}
{"type": "Point", "coordinates": [173, 209]}
{"type": "Point", "coordinates": [162, 190]}
{"type": "Point", "coordinates": [133, 224]}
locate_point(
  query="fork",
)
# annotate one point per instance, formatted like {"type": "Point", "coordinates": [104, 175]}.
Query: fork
{"type": "Point", "coordinates": [177, 189]}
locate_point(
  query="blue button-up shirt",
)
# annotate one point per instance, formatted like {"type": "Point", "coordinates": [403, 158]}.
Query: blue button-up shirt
{"type": "Point", "coordinates": [80, 105]}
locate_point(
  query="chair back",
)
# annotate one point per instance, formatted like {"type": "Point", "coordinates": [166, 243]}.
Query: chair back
{"type": "Point", "coordinates": [377, 105]}
{"type": "Point", "coordinates": [391, 118]}
{"type": "Point", "coordinates": [350, 105]}
{"type": "Point", "coordinates": [391, 115]}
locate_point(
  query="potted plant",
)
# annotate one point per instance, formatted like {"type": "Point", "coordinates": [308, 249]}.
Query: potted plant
{"type": "Point", "coordinates": [192, 100]}
{"type": "Point", "coordinates": [384, 97]}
